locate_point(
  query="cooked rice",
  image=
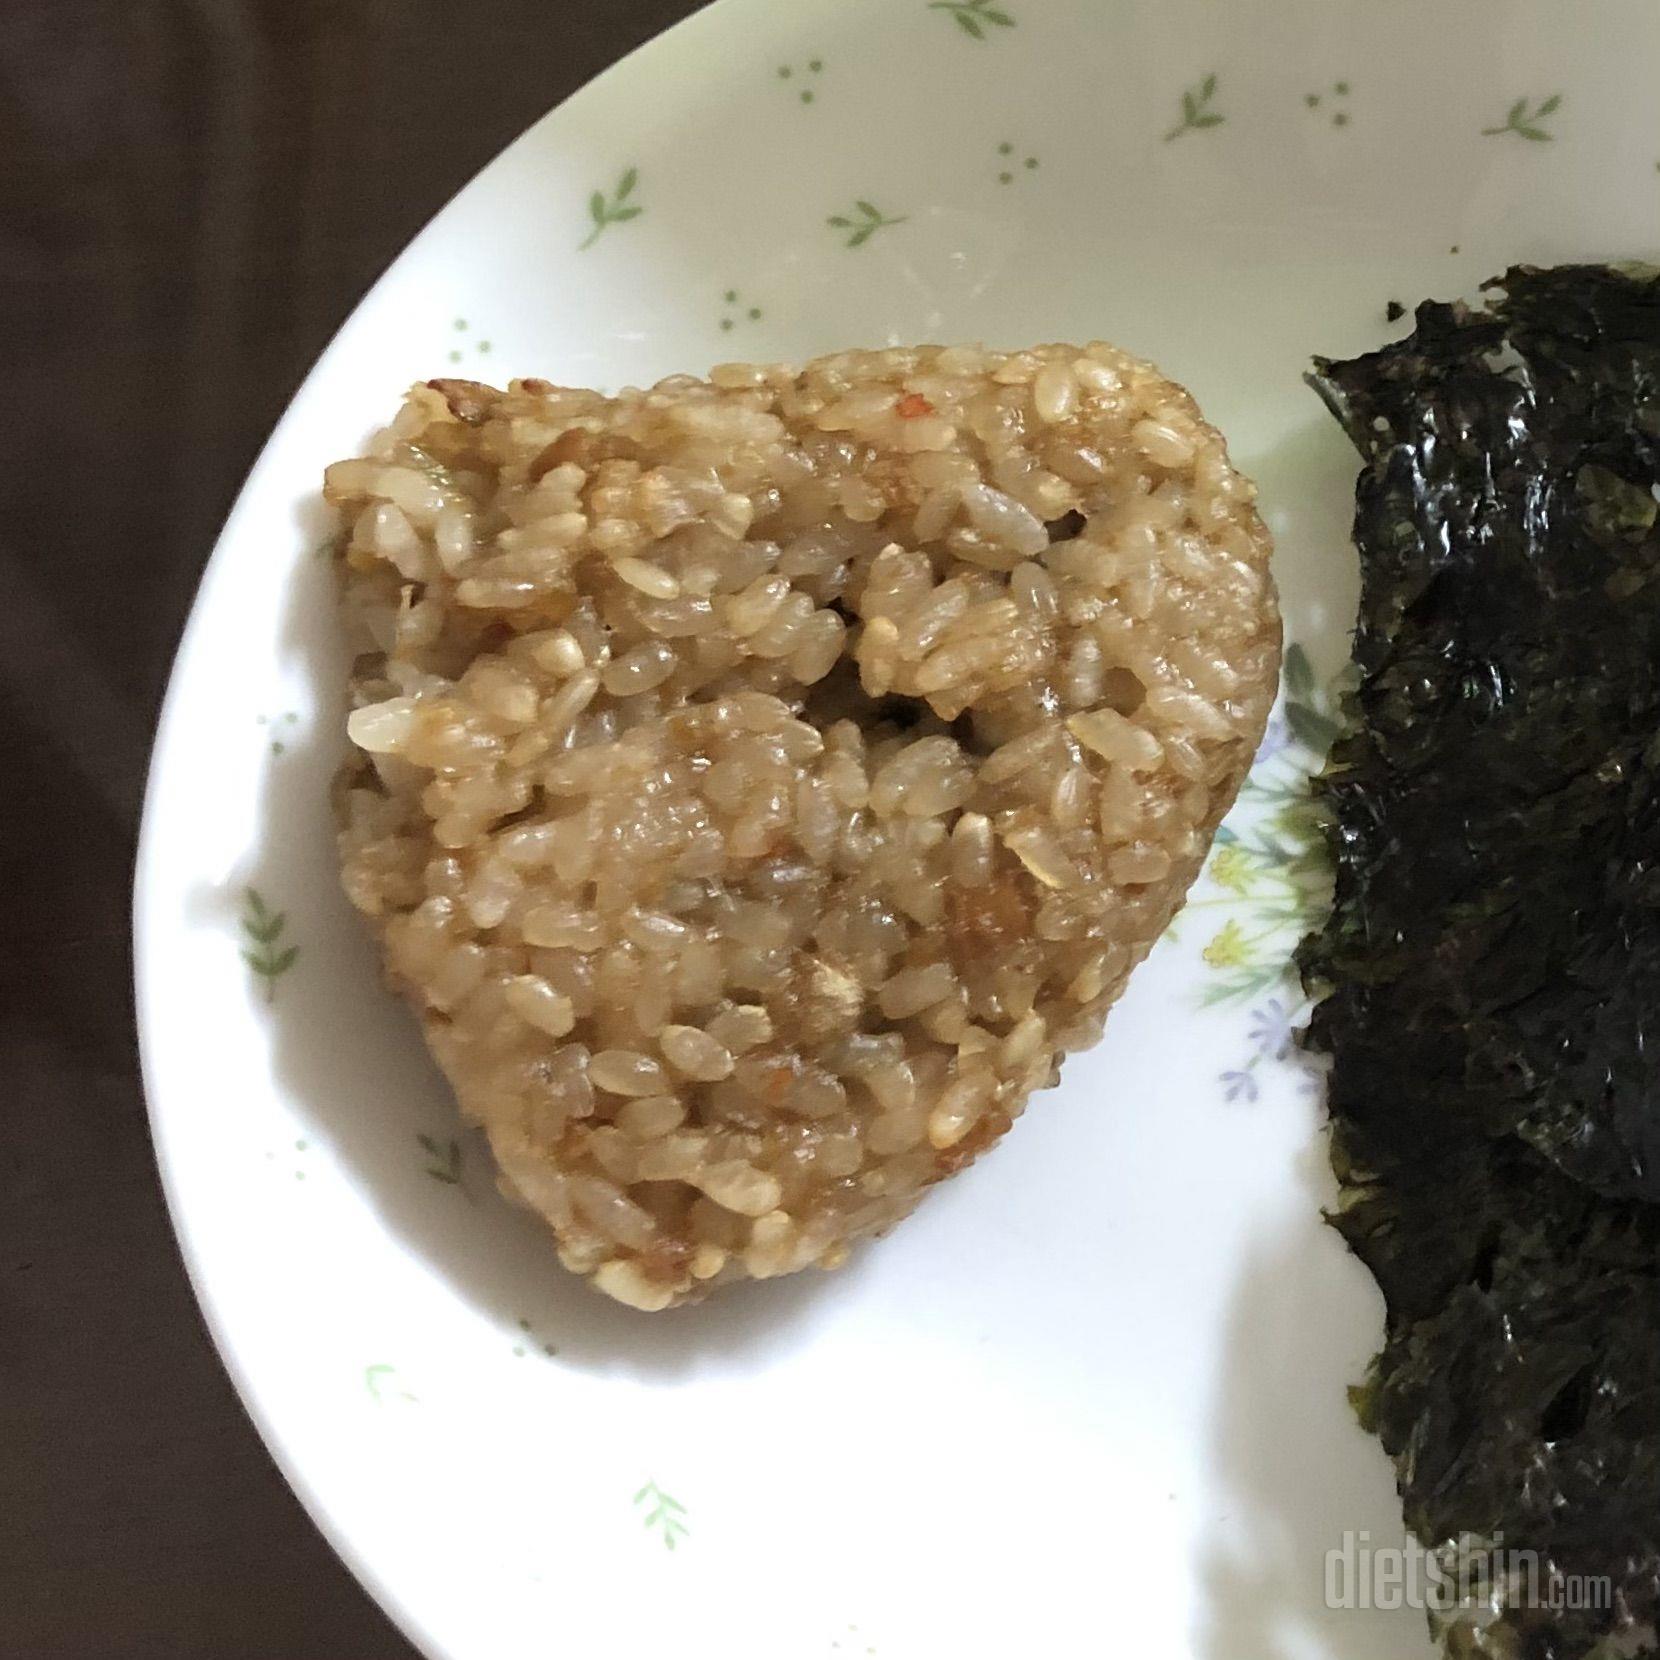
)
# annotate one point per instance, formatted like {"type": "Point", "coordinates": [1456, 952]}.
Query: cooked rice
{"type": "Point", "coordinates": [762, 782]}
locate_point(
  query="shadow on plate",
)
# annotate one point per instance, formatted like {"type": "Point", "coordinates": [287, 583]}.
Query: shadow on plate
{"type": "Point", "coordinates": [1298, 1478]}
{"type": "Point", "coordinates": [1295, 1473]}
{"type": "Point", "coordinates": [1307, 485]}
{"type": "Point", "coordinates": [350, 1057]}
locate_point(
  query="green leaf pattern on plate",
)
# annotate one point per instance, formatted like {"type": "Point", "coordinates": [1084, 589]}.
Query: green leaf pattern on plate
{"type": "Point", "coordinates": [973, 17]}
{"type": "Point", "coordinates": [863, 223]}
{"type": "Point", "coordinates": [615, 209]}
{"type": "Point", "coordinates": [444, 1159]}
{"type": "Point", "coordinates": [265, 953]}
{"type": "Point", "coordinates": [662, 1514]}
{"type": "Point", "coordinates": [381, 1380]}
{"type": "Point", "coordinates": [1197, 113]}
{"type": "Point", "coordinates": [1528, 123]}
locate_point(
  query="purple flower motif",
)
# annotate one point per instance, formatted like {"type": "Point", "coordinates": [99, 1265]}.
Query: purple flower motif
{"type": "Point", "coordinates": [1270, 1029]}
{"type": "Point", "coordinates": [1275, 737]}
{"type": "Point", "coordinates": [1239, 1086]}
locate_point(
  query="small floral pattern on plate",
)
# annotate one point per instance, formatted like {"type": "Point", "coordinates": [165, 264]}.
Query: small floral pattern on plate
{"type": "Point", "coordinates": [1268, 880]}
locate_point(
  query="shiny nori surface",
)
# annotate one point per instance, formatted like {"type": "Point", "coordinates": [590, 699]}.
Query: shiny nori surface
{"type": "Point", "coordinates": [1491, 971]}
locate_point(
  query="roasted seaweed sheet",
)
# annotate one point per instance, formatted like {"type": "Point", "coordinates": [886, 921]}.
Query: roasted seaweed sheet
{"type": "Point", "coordinates": [1489, 980]}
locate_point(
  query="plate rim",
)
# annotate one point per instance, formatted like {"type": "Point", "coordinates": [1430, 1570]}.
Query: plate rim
{"type": "Point", "coordinates": [283, 1437]}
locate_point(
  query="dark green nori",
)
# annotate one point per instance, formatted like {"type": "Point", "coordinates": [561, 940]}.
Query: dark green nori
{"type": "Point", "coordinates": [1490, 975]}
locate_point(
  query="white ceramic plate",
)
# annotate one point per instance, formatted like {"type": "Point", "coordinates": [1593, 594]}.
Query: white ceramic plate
{"type": "Point", "coordinates": [1091, 1399]}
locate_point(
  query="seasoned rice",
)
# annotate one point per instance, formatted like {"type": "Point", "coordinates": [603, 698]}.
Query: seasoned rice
{"type": "Point", "coordinates": [761, 782]}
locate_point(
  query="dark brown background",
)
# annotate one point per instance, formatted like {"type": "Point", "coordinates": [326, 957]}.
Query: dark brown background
{"type": "Point", "coordinates": [193, 194]}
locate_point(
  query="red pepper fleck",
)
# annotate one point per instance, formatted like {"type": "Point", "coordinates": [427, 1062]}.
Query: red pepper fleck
{"type": "Point", "coordinates": [914, 404]}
